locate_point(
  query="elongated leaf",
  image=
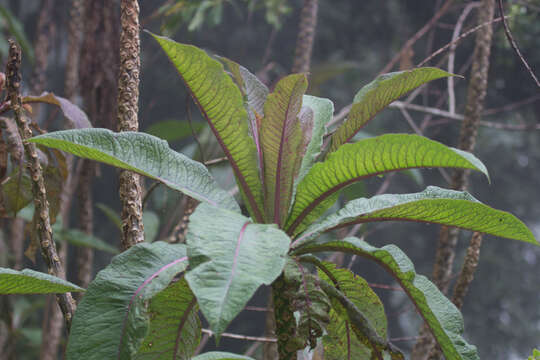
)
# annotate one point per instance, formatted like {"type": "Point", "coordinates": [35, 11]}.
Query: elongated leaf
{"type": "Point", "coordinates": [16, 29]}
{"type": "Point", "coordinates": [352, 162]}
{"type": "Point", "coordinates": [254, 93]}
{"type": "Point", "coordinates": [443, 318]}
{"type": "Point", "coordinates": [216, 355]}
{"type": "Point", "coordinates": [112, 318]}
{"type": "Point", "coordinates": [79, 238]}
{"type": "Point", "coordinates": [173, 130]}
{"type": "Point", "coordinates": [340, 328]}
{"type": "Point", "coordinates": [376, 95]}
{"type": "Point", "coordinates": [361, 326]}
{"type": "Point", "coordinates": [144, 154]}
{"type": "Point", "coordinates": [175, 327]}
{"type": "Point", "coordinates": [33, 282]}
{"type": "Point", "coordinates": [323, 109]}
{"type": "Point", "coordinates": [221, 103]}
{"type": "Point", "coordinates": [229, 258]}
{"type": "Point", "coordinates": [281, 142]}
{"type": "Point", "coordinates": [76, 117]}
{"type": "Point", "coordinates": [433, 205]}
{"type": "Point", "coordinates": [111, 214]}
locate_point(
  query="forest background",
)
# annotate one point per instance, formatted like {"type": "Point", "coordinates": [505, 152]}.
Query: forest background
{"type": "Point", "coordinates": [355, 40]}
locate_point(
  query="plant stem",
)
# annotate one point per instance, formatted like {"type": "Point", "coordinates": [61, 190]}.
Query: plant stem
{"type": "Point", "coordinates": [128, 98]}
{"type": "Point", "coordinates": [284, 320]}
{"type": "Point", "coordinates": [42, 223]}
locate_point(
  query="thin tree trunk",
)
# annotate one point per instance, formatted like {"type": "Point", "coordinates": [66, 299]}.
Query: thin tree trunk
{"type": "Point", "coordinates": [128, 97]}
{"type": "Point", "coordinates": [306, 37]}
{"type": "Point", "coordinates": [445, 255]}
{"type": "Point", "coordinates": [97, 78]}
{"type": "Point", "coordinates": [41, 215]}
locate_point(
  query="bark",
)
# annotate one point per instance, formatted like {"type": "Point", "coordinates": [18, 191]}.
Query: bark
{"type": "Point", "coordinates": [284, 320]}
{"type": "Point", "coordinates": [180, 230]}
{"type": "Point", "coordinates": [306, 37]}
{"type": "Point", "coordinates": [445, 254]}
{"type": "Point", "coordinates": [52, 324]}
{"type": "Point", "coordinates": [96, 76]}
{"type": "Point", "coordinates": [85, 256]}
{"type": "Point", "coordinates": [45, 31]}
{"type": "Point", "coordinates": [41, 215]}
{"type": "Point", "coordinates": [128, 98]}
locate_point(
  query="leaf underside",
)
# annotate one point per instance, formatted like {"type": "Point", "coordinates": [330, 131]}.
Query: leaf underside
{"type": "Point", "coordinates": [221, 103]}
{"type": "Point", "coordinates": [144, 154]}
{"type": "Point", "coordinates": [229, 258]}
{"type": "Point", "coordinates": [77, 119]}
{"type": "Point", "coordinates": [442, 317]}
{"type": "Point", "coordinates": [254, 93]}
{"type": "Point", "coordinates": [112, 319]}
{"type": "Point", "coordinates": [352, 162]}
{"type": "Point", "coordinates": [433, 205]}
{"type": "Point", "coordinates": [376, 95]}
{"type": "Point", "coordinates": [323, 110]}
{"type": "Point", "coordinates": [33, 282]}
{"type": "Point", "coordinates": [217, 355]}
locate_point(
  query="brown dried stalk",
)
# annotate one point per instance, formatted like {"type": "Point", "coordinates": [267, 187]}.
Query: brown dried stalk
{"type": "Point", "coordinates": [128, 97]}
{"type": "Point", "coordinates": [43, 225]}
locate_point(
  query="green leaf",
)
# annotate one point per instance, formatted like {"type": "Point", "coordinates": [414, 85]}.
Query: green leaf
{"type": "Point", "coordinates": [79, 238]}
{"type": "Point", "coordinates": [369, 157]}
{"type": "Point", "coordinates": [433, 205]}
{"type": "Point", "coordinates": [323, 110]}
{"type": "Point", "coordinates": [376, 95]}
{"type": "Point", "coordinates": [111, 214]}
{"type": "Point", "coordinates": [15, 28]}
{"type": "Point", "coordinates": [216, 355]}
{"type": "Point", "coordinates": [340, 328]}
{"type": "Point", "coordinates": [221, 103]}
{"type": "Point", "coordinates": [76, 117]}
{"type": "Point", "coordinates": [173, 130]}
{"type": "Point", "coordinates": [33, 282]}
{"type": "Point", "coordinates": [112, 319]}
{"type": "Point", "coordinates": [254, 93]}
{"type": "Point", "coordinates": [151, 225]}
{"type": "Point", "coordinates": [229, 258]}
{"type": "Point", "coordinates": [281, 143]}
{"type": "Point", "coordinates": [175, 327]}
{"type": "Point", "coordinates": [144, 154]}
{"type": "Point", "coordinates": [442, 317]}
{"type": "Point", "coordinates": [309, 302]}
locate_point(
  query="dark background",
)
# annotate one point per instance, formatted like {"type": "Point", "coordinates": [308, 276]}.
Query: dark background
{"type": "Point", "coordinates": [355, 39]}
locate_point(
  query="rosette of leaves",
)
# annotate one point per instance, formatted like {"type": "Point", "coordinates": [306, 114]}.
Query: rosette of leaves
{"type": "Point", "coordinates": [288, 179]}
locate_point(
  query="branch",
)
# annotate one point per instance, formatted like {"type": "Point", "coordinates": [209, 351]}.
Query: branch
{"type": "Point", "coordinates": [41, 212]}
{"type": "Point", "coordinates": [241, 337]}
{"type": "Point", "coordinates": [459, 117]}
{"type": "Point", "coordinates": [514, 45]}
{"type": "Point", "coordinates": [417, 36]}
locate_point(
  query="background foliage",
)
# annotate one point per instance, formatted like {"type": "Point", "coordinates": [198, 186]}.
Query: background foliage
{"type": "Point", "coordinates": [354, 41]}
